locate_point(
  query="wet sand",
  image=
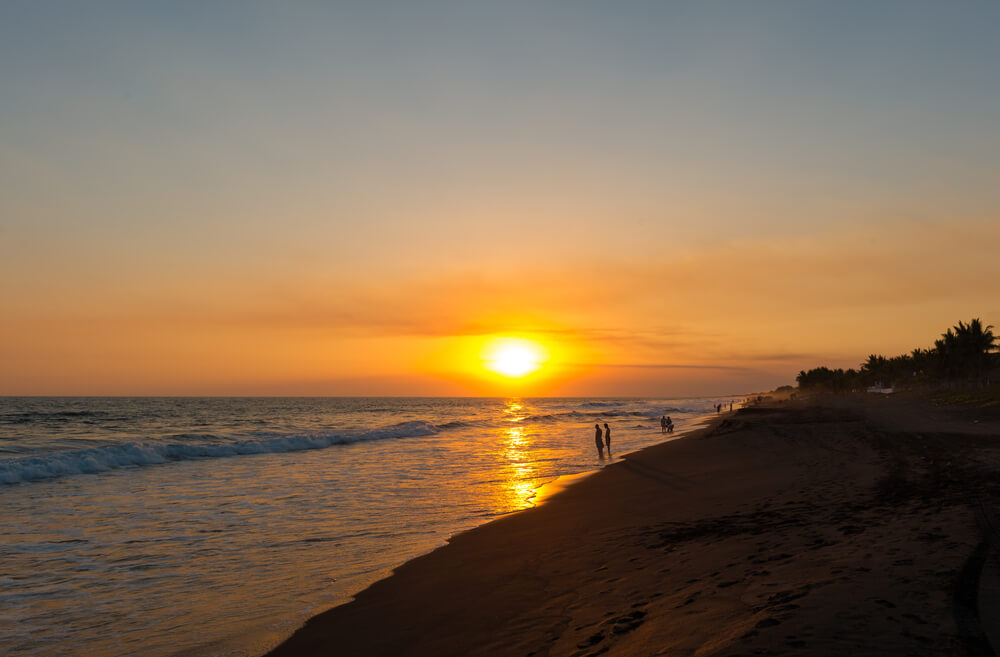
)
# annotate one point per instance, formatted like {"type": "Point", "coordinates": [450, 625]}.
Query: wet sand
{"type": "Point", "coordinates": [848, 526]}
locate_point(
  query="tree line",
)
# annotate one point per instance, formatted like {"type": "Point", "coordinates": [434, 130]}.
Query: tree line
{"type": "Point", "coordinates": [964, 355]}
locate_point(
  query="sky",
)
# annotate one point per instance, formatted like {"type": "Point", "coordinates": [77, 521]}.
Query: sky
{"type": "Point", "coordinates": [353, 198]}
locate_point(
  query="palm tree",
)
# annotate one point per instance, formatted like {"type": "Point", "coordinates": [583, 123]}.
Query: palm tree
{"type": "Point", "coordinates": [964, 350]}
{"type": "Point", "coordinates": [875, 371]}
{"type": "Point", "coordinates": [922, 361]}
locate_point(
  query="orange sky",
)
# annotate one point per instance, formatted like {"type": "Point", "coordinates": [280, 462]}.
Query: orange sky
{"type": "Point", "coordinates": [736, 316]}
{"type": "Point", "coordinates": [341, 201]}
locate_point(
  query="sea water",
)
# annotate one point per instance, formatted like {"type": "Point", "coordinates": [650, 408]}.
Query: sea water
{"type": "Point", "coordinates": [216, 526]}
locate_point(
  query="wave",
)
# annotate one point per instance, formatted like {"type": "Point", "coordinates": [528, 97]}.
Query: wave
{"type": "Point", "coordinates": [455, 424]}
{"type": "Point", "coordinates": [111, 457]}
{"type": "Point", "coordinates": [554, 417]}
{"type": "Point", "coordinates": [32, 417]}
{"type": "Point", "coordinates": [545, 417]}
{"type": "Point", "coordinates": [653, 414]}
{"type": "Point", "coordinates": [618, 414]}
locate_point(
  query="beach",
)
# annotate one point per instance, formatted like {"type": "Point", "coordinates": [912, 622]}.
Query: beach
{"type": "Point", "coordinates": [850, 525]}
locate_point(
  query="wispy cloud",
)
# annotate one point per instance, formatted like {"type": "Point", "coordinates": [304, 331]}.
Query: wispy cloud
{"type": "Point", "coordinates": [661, 366]}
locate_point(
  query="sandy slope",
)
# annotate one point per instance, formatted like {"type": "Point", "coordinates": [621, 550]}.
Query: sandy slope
{"type": "Point", "coordinates": [839, 528]}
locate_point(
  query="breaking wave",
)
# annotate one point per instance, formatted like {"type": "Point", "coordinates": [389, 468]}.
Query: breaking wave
{"type": "Point", "coordinates": [112, 457]}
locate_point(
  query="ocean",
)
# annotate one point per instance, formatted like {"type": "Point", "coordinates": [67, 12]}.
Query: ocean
{"type": "Point", "coordinates": [198, 527]}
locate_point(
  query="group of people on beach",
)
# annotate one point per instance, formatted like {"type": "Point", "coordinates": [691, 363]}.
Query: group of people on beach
{"type": "Point", "coordinates": [602, 438]}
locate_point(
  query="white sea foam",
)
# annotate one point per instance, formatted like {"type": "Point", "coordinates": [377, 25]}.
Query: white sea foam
{"type": "Point", "coordinates": [111, 457]}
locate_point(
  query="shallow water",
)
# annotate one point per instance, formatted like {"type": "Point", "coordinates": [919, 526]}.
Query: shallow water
{"type": "Point", "coordinates": [128, 523]}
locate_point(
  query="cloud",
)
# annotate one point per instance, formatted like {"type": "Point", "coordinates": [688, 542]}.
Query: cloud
{"type": "Point", "coordinates": [661, 366]}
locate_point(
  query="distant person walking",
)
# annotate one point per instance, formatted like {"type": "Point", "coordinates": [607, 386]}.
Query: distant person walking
{"type": "Point", "coordinates": [607, 437]}
{"type": "Point", "coordinates": [663, 424]}
{"type": "Point", "coordinates": [599, 440]}
{"type": "Point", "coordinates": [730, 407]}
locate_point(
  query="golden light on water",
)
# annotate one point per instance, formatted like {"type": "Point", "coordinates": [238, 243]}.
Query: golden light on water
{"type": "Point", "coordinates": [517, 479]}
{"type": "Point", "coordinates": [513, 357]}
{"type": "Point", "coordinates": [513, 412]}
{"type": "Point", "coordinates": [519, 484]}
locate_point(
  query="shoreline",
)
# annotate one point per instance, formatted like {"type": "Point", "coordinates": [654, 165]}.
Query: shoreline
{"type": "Point", "coordinates": [542, 496]}
{"type": "Point", "coordinates": [562, 482]}
{"type": "Point", "coordinates": [819, 527]}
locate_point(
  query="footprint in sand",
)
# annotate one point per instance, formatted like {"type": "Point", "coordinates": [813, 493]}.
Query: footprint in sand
{"type": "Point", "coordinates": [592, 640]}
{"type": "Point", "coordinates": [689, 601]}
{"type": "Point", "coordinates": [627, 623]}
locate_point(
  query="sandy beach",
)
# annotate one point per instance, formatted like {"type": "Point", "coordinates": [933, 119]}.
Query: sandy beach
{"type": "Point", "coordinates": [856, 525]}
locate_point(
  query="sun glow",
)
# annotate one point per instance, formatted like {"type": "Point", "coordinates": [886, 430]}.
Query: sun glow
{"type": "Point", "coordinates": [513, 357]}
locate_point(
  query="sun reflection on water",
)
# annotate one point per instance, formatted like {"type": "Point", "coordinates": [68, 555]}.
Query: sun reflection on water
{"type": "Point", "coordinates": [514, 411]}
{"type": "Point", "coordinates": [520, 473]}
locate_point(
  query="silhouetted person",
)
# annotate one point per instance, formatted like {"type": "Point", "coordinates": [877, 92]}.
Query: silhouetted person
{"type": "Point", "coordinates": [600, 441]}
{"type": "Point", "coordinates": [730, 407]}
{"type": "Point", "coordinates": [607, 437]}
{"type": "Point", "coordinates": [670, 425]}
{"type": "Point", "coordinates": [663, 424]}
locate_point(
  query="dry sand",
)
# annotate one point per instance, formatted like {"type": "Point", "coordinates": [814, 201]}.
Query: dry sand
{"type": "Point", "coordinates": [845, 527]}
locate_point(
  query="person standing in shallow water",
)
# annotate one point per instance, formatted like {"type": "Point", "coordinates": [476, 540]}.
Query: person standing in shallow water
{"type": "Point", "coordinates": [663, 424]}
{"type": "Point", "coordinates": [599, 441]}
{"type": "Point", "coordinates": [607, 437]}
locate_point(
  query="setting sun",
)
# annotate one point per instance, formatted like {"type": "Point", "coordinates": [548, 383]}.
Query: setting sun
{"type": "Point", "coordinates": [513, 357]}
